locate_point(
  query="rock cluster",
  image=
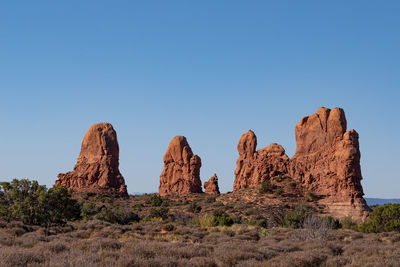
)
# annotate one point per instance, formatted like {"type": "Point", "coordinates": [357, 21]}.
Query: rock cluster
{"type": "Point", "coordinates": [211, 186]}
{"type": "Point", "coordinates": [254, 167]}
{"type": "Point", "coordinates": [181, 173]}
{"type": "Point", "coordinates": [96, 169]}
{"type": "Point", "coordinates": [327, 162]}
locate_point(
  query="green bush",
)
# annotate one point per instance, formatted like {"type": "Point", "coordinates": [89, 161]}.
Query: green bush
{"type": "Point", "coordinates": [161, 212]}
{"type": "Point", "coordinates": [156, 201]}
{"type": "Point", "coordinates": [385, 218]}
{"type": "Point", "coordinates": [27, 201]}
{"type": "Point", "coordinates": [267, 187]}
{"type": "Point", "coordinates": [89, 210]}
{"type": "Point", "coordinates": [331, 222]}
{"type": "Point", "coordinates": [260, 222]}
{"type": "Point", "coordinates": [116, 215]}
{"type": "Point", "coordinates": [219, 218]}
{"type": "Point", "coordinates": [295, 218]}
{"type": "Point", "coordinates": [348, 223]}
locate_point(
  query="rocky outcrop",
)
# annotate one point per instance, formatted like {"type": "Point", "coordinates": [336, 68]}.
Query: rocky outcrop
{"type": "Point", "coordinates": [211, 186]}
{"type": "Point", "coordinates": [181, 173]}
{"type": "Point", "coordinates": [327, 162]}
{"type": "Point", "coordinates": [96, 169]}
{"type": "Point", "coordinates": [254, 167]}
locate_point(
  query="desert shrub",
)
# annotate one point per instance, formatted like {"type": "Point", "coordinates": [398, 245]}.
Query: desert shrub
{"type": "Point", "coordinates": [87, 195]}
{"type": "Point", "coordinates": [385, 218]}
{"type": "Point", "coordinates": [161, 212]}
{"type": "Point", "coordinates": [331, 222]}
{"type": "Point", "coordinates": [310, 196]}
{"type": "Point", "coordinates": [194, 207]}
{"type": "Point", "coordinates": [315, 228]}
{"type": "Point", "coordinates": [27, 201]}
{"type": "Point", "coordinates": [295, 218]}
{"type": "Point", "coordinates": [219, 218]}
{"type": "Point", "coordinates": [89, 210]}
{"type": "Point", "coordinates": [116, 215]}
{"type": "Point", "coordinates": [348, 223]}
{"type": "Point", "coordinates": [279, 191]}
{"type": "Point", "coordinates": [267, 187]}
{"type": "Point", "coordinates": [168, 227]}
{"type": "Point", "coordinates": [211, 200]}
{"type": "Point", "coordinates": [156, 201]}
{"type": "Point", "coordinates": [260, 222]}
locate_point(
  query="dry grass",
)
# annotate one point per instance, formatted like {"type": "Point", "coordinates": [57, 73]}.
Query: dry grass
{"type": "Point", "coordinates": [180, 240]}
{"type": "Point", "coordinates": [97, 243]}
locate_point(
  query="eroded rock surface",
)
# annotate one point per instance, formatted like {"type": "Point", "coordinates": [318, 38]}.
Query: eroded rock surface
{"type": "Point", "coordinates": [211, 186]}
{"type": "Point", "coordinates": [97, 169]}
{"type": "Point", "coordinates": [181, 173]}
{"type": "Point", "coordinates": [254, 167]}
{"type": "Point", "coordinates": [326, 163]}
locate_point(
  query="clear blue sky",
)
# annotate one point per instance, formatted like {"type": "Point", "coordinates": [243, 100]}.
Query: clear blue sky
{"type": "Point", "coordinates": [209, 70]}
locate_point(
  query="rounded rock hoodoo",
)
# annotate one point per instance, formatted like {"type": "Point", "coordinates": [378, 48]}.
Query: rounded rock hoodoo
{"type": "Point", "coordinates": [211, 186]}
{"type": "Point", "coordinates": [181, 173]}
{"type": "Point", "coordinates": [96, 169]}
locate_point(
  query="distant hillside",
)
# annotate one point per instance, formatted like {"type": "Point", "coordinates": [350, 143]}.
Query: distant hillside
{"type": "Point", "coordinates": [381, 201]}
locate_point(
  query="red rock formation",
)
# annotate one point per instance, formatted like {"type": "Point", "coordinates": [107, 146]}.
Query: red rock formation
{"type": "Point", "coordinates": [96, 169]}
{"type": "Point", "coordinates": [327, 162]}
{"type": "Point", "coordinates": [211, 186]}
{"type": "Point", "coordinates": [181, 173]}
{"type": "Point", "coordinates": [255, 167]}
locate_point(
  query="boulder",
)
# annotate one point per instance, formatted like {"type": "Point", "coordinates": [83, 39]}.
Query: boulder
{"type": "Point", "coordinates": [96, 169]}
{"type": "Point", "coordinates": [211, 186]}
{"type": "Point", "coordinates": [181, 173]}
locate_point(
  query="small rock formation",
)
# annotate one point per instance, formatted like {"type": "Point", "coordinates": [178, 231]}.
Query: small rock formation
{"type": "Point", "coordinates": [211, 186]}
{"type": "Point", "coordinates": [96, 169]}
{"type": "Point", "coordinates": [254, 167]}
{"type": "Point", "coordinates": [181, 173]}
{"type": "Point", "coordinates": [327, 162]}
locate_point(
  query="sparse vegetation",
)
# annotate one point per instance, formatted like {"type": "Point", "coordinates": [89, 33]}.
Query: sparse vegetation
{"type": "Point", "coordinates": [200, 231]}
{"type": "Point", "coordinates": [267, 187]}
{"type": "Point", "coordinates": [295, 219]}
{"type": "Point", "coordinates": [27, 201]}
{"type": "Point", "coordinates": [385, 218]}
{"type": "Point", "coordinates": [348, 223]}
{"type": "Point", "coordinates": [310, 196]}
{"type": "Point", "coordinates": [278, 191]}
